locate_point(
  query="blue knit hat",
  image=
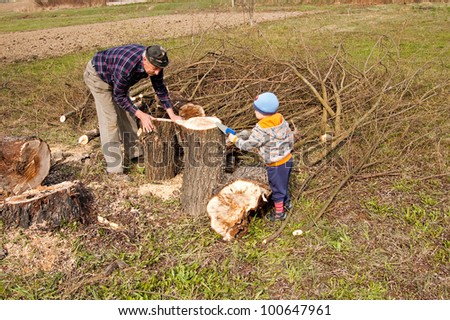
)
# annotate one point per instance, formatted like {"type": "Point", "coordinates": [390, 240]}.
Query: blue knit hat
{"type": "Point", "coordinates": [266, 103]}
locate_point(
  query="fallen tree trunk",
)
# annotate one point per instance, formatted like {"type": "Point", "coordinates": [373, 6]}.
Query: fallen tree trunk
{"type": "Point", "coordinates": [230, 208]}
{"type": "Point", "coordinates": [204, 157]}
{"type": "Point", "coordinates": [44, 207]}
{"type": "Point", "coordinates": [24, 163]}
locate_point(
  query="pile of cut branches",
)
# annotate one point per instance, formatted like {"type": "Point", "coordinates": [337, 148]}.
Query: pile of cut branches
{"type": "Point", "coordinates": [343, 111]}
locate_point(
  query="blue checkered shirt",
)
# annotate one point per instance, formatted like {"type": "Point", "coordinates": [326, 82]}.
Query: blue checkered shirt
{"type": "Point", "coordinates": [121, 68]}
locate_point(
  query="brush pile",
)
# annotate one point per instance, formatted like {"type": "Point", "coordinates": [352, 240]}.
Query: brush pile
{"type": "Point", "coordinates": [341, 112]}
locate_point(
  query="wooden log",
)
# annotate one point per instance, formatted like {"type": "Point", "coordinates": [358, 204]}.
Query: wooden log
{"type": "Point", "coordinates": [75, 109]}
{"type": "Point", "coordinates": [160, 151]}
{"type": "Point", "coordinates": [88, 136]}
{"type": "Point", "coordinates": [44, 207]}
{"type": "Point", "coordinates": [66, 115]}
{"type": "Point", "coordinates": [24, 164]}
{"type": "Point", "coordinates": [229, 209]}
{"type": "Point", "coordinates": [204, 158]}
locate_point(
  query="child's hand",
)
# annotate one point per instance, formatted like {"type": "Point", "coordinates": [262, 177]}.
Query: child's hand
{"type": "Point", "coordinates": [231, 138]}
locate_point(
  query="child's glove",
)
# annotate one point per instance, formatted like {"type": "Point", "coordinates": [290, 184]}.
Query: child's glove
{"type": "Point", "coordinates": [231, 138]}
{"type": "Point", "coordinates": [244, 134]}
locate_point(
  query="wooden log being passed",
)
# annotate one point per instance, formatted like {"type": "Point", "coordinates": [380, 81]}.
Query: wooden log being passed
{"type": "Point", "coordinates": [24, 163]}
{"type": "Point", "coordinates": [204, 155]}
{"type": "Point", "coordinates": [229, 209]}
{"type": "Point", "coordinates": [44, 207]}
{"type": "Point", "coordinates": [160, 151]}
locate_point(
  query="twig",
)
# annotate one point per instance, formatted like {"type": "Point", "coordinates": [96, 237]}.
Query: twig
{"type": "Point", "coordinates": [64, 117]}
{"type": "Point", "coordinates": [337, 120]}
{"type": "Point", "coordinates": [313, 89]}
{"type": "Point", "coordinates": [201, 80]}
{"type": "Point", "coordinates": [342, 184]}
{"type": "Point", "coordinates": [435, 176]}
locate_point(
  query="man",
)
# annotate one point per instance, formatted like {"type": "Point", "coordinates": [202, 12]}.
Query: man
{"type": "Point", "coordinates": [109, 76]}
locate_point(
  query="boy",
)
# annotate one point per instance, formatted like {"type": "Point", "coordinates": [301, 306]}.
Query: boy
{"type": "Point", "coordinates": [273, 140]}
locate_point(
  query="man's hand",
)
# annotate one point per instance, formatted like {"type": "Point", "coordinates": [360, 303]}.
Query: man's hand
{"type": "Point", "coordinates": [231, 138]}
{"type": "Point", "coordinates": [173, 116]}
{"type": "Point", "coordinates": [146, 120]}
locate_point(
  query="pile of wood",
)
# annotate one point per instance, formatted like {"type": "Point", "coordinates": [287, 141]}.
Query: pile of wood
{"type": "Point", "coordinates": [341, 109]}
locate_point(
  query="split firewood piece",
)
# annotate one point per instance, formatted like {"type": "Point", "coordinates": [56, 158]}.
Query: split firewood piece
{"type": "Point", "coordinates": [88, 136]}
{"type": "Point", "coordinates": [204, 159]}
{"type": "Point", "coordinates": [44, 207]}
{"type": "Point", "coordinates": [24, 163]}
{"type": "Point", "coordinates": [230, 208]}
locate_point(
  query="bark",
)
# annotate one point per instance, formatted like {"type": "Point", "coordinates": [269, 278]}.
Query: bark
{"type": "Point", "coordinates": [204, 158]}
{"type": "Point", "coordinates": [24, 164]}
{"type": "Point", "coordinates": [45, 207]}
{"type": "Point", "coordinates": [160, 151]}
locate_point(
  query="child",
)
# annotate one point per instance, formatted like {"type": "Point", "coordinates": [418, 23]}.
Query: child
{"type": "Point", "coordinates": [273, 140]}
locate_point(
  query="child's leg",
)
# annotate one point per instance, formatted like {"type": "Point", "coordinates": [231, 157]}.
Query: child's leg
{"type": "Point", "coordinates": [277, 186]}
{"type": "Point", "coordinates": [287, 198]}
{"type": "Point", "coordinates": [279, 179]}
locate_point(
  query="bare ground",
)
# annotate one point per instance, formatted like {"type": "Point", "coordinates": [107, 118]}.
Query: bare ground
{"type": "Point", "coordinates": [30, 45]}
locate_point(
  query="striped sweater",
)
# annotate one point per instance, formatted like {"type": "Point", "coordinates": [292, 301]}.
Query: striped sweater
{"type": "Point", "coordinates": [271, 138]}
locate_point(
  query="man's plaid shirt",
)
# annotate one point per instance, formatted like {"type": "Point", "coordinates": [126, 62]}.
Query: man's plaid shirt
{"type": "Point", "coordinates": [121, 68]}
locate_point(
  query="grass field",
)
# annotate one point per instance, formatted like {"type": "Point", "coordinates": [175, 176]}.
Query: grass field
{"type": "Point", "coordinates": [384, 237]}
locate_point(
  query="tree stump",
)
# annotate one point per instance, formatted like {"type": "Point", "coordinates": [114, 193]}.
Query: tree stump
{"type": "Point", "coordinates": [230, 208]}
{"type": "Point", "coordinates": [160, 151]}
{"type": "Point", "coordinates": [44, 207]}
{"type": "Point", "coordinates": [204, 157]}
{"type": "Point", "coordinates": [24, 164]}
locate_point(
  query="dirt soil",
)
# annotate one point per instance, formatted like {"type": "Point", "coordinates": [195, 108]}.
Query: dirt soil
{"type": "Point", "coordinates": [30, 45]}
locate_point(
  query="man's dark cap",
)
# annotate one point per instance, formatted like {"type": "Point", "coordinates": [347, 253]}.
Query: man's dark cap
{"type": "Point", "coordinates": [157, 56]}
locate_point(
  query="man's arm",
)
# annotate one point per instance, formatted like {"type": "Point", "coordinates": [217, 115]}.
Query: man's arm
{"type": "Point", "coordinates": [163, 95]}
{"type": "Point", "coordinates": [172, 115]}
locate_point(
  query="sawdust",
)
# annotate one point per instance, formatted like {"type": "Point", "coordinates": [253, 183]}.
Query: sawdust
{"type": "Point", "coordinates": [165, 190]}
{"type": "Point", "coordinates": [34, 251]}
